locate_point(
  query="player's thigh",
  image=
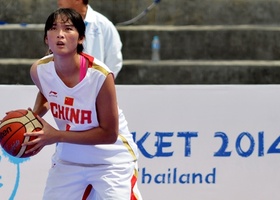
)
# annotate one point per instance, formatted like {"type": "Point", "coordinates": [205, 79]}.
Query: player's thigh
{"type": "Point", "coordinates": [64, 182]}
{"type": "Point", "coordinates": [114, 182]}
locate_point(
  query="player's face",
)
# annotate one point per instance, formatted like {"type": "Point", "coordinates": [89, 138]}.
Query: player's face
{"type": "Point", "coordinates": [63, 37]}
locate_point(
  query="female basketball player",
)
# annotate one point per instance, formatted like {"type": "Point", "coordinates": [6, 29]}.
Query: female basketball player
{"type": "Point", "coordinates": [93, 143]}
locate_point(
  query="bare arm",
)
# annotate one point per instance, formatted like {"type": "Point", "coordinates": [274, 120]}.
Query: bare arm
{"type": "Point", "coordinates": [41, 105]}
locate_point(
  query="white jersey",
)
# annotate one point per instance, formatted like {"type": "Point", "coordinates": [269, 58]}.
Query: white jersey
{"type": "Point", "coordinates": [102, 40]}
{"type": "Point", "coordinates": [75, 109]}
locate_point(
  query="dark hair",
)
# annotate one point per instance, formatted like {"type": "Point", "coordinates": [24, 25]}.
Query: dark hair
{"type": "Point", "coordinates": [85, 2]}
{"type": "Point", "coordinates": [71, 15]}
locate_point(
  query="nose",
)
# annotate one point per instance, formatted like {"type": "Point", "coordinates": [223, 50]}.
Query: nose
{"type": "Point", "coordinates": [60, 34]}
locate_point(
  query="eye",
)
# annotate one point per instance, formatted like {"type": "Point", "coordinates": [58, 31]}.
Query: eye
{"type": "Point", "coordinates": [53, 28]}
{"type": "Point", "coordinates": [69, 27]}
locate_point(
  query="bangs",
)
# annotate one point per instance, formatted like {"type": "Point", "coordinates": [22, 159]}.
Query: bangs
{"type": "Point", "coordinates": [64, 17]}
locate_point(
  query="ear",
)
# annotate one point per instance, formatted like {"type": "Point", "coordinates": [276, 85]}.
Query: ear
{"type": "Point", "coordinates": [46, 40]}
{"type": "Point", "coordinates": [81, 40]}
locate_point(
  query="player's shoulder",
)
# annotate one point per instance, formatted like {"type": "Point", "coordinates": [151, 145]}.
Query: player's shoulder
{"type": "Point", "coordinates": [45, 59]}
{"type": "Point", "coordinates": [101, 67]}
{"type": "Point", "coordinates": [97, 65]}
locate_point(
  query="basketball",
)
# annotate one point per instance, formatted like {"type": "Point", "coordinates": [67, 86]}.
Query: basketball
{"type": "Point", "coordinates": [12, 128]}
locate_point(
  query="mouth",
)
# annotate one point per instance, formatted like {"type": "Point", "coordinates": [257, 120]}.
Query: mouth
{"type": "Point", "coordinates": [60, 43]}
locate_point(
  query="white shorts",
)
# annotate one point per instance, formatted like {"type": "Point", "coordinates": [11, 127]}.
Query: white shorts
{"type": "Point", "coordinates": [109, 182]}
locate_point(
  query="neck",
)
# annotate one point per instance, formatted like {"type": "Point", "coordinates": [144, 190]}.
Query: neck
{"type": "Point", "coordinates": [83, 11]}
{"type": "Point", "coordinates": [68, 69]}
{"type": "Point", "coordinates": [67, 65]}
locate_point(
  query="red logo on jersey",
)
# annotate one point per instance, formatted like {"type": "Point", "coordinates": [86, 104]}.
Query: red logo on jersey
{"type": "Point", "coordinates": [52, 93]}
{"type": "Point", "coordinates": [69, 101]}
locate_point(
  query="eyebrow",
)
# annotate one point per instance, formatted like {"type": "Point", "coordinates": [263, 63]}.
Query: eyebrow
{"type": "Point", "coordinates": [63, 24]}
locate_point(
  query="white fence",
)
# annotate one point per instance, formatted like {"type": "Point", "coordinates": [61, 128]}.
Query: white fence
{"type": "Point", "coordinates": [196, 142]}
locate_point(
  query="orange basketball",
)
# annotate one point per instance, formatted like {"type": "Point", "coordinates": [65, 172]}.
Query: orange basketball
{"type": "Point", "coordinates": [12, 128]}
